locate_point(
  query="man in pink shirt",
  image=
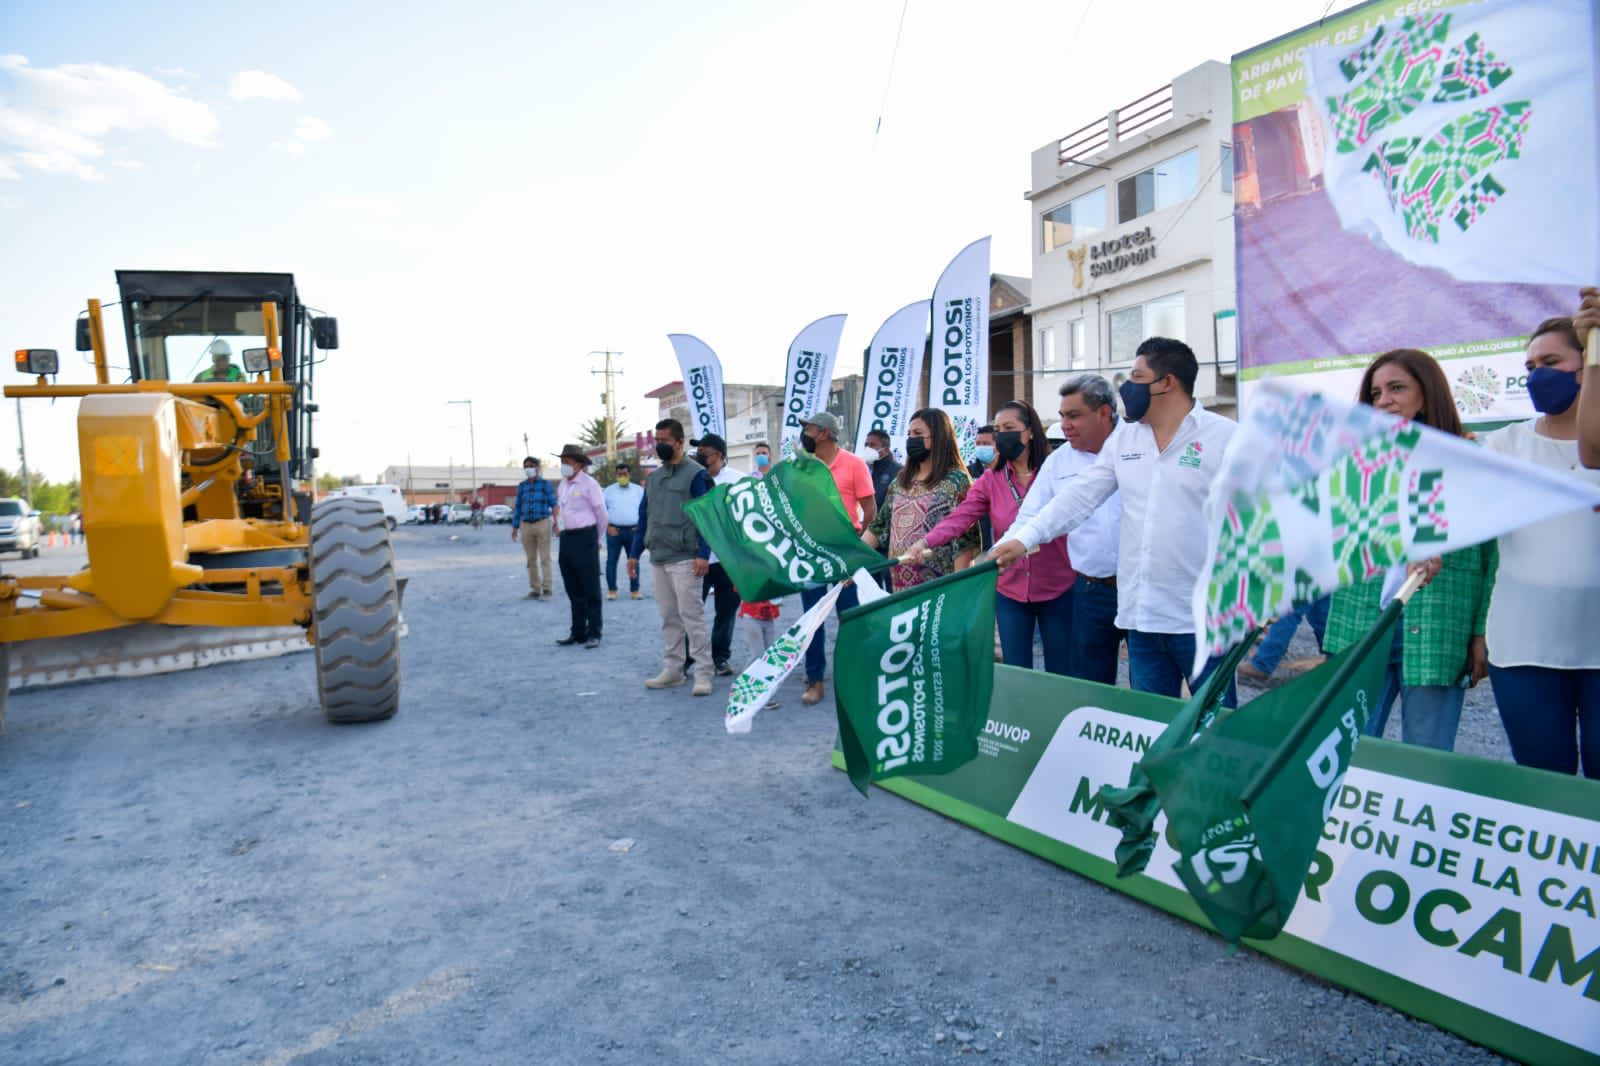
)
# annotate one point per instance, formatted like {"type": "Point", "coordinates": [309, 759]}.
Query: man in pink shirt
{"type": "Point", "coordinates": [819, 435]}
{"type": "Point", "coordinates": [581, 513]}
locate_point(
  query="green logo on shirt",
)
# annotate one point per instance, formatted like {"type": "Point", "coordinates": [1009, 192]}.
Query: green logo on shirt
{"type": "Point", "coordinates": [1191, 455]}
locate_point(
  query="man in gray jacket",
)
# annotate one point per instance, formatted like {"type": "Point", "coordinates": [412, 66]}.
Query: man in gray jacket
{"type": "Point", "coordinates": [679, 558]}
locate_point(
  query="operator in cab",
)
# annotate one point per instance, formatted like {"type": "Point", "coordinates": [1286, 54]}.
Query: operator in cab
{"type": "Point", "coordinates": [221, 368]}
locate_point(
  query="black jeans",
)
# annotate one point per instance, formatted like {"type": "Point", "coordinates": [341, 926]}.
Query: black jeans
{"type": "Point", "coordinates": [579, 560]}
{"type": "Point", "coordinates": [726, 611]}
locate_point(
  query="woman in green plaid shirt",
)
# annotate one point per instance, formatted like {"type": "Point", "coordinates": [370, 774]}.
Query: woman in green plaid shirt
{"type": "Point", "coordinates": [1438, 648]}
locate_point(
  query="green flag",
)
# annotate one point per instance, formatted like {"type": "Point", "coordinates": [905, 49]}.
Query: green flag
{"type": "Point", "coordinates": [782, 533]}
{"type": "Point", "coordinates": [1133, 809]}
{"type": "Point", "coordinates": [913, 673]}
{"type": "Point", "coordinates": [1247, 800]}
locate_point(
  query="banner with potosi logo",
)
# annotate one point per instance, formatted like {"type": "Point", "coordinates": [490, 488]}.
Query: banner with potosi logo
{"type": "Point", "coordinates": [702, 384]}
{"type": "Point", "coordinates": [808, 377]}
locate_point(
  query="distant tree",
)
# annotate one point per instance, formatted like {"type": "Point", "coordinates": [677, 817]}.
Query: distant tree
{"type": "Point", "coordinates": [593, 432]}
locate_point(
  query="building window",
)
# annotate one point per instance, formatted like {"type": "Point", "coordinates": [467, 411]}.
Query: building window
{"type": "Point", "coordinates": [1169, 182]}
{"type": "Point", "coordinates": [1078, 342]}
{"type": "Point", "coordinates": [1130, 326]}
{"type": "Point", "coordinates": [1075, 219]}
{"type": "Point", "coordinates": [1047, 348]}
{"type": "Point", "coordinates": [1225, 167]}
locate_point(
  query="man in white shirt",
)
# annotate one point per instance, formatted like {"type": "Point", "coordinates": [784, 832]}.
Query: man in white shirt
{"type": "Point", "coordinates": [1088, 417]}
{"type": "Point", "coordinates": [711, 452]}
{"type": "Point", "coordinates": [1161, 459]}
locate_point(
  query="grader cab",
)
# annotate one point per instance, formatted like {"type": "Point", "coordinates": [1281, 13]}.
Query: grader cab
{"type": "Point", "coordinates": [195, 479]}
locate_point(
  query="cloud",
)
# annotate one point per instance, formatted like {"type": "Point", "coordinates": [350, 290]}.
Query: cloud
{"type": "Point", "coordinates": [129, 164]}
{"type": "Point", "coordinates": [54, 119]}
{"type": "Point", "coordinates": [8, 171]}
{"type": "Point", "coordinates": [259, 85]}
{"type": "Point", "coordinates": [306, 131]}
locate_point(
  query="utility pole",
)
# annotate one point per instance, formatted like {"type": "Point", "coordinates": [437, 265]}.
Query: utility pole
{"type": "Point", "coordinates": [609, 397]}
{"type": "Point", "coordinates": [22, 451]}
{"type": "Point", "coordinates": [472, 444]}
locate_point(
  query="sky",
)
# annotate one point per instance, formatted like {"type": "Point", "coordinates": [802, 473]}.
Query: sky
{"type": "Point", "coordinates": [485, 193]}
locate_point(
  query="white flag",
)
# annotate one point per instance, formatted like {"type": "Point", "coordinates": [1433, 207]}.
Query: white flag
{"type": "Point", "coordinates": [753, 689]}
{"type": "Point", "coordinates": [1315, 494]}
{"type": "Point", "coordinates": [958, 374]}
{"type": "Point", "coordinates": [1464, 139]}
{"type": "Point", "coordinates": [702, 383]}
{"type": "Point", "coordinates": [894, 374]}
{"type": "Point", "coordinates": [809, 376]}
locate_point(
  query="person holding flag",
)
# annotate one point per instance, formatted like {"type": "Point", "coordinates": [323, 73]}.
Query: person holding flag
{"type": "Point", "coordinates": [1036, 593]}
{"type": "Point", "coordinates": [1585, 322]}
{"type": "Point", "coordinates": [1544, 607]}
{"type": "Point", "coordinates": [819, 436]}
{"type": "Point", "coordinates": [927, 490]}
{"type": "Point", "coordinates": [1438, 650]}
{"type": "Point", "coordinates": [1162, 459]}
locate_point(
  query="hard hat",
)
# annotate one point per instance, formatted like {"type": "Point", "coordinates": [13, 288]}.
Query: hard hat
{"type": "Point", "coordinates": [1054, 432]}
{"type": "Point", "coordinates": [219, 347]}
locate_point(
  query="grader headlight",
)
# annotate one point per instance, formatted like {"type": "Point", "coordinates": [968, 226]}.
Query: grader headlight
{"type": "Point", "coordinates": [38, 361]}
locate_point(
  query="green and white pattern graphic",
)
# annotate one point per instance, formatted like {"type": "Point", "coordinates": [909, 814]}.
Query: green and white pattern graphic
{"type": "Point", "coordinates": [752, 690]}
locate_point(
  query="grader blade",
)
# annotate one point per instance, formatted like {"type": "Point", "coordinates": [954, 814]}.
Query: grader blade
{"type": "Point", "coordinates": [138, 651]}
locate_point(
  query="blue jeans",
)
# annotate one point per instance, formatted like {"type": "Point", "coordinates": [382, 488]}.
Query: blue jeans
{"type": "Point", "coordinates": [817, 650]}
{"type": "Point", "coordinates": [1280, 633]}
{"type": "Point", "coordinates": [1552, 717]}
{"type": "Point", "coordinates": [1095, 635]}
{"type": "Point", "coordinates": [1159, 662]}
{"type": "Point", "coordinates": [1017, 621]}
{"type": "Point", "coordinates": [1429, 714]}
{"type": "Point", "coordinates": [614, 549]}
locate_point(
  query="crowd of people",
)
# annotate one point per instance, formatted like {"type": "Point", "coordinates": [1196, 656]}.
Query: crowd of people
{"type": "Point", "coordinates": [1099, 536]}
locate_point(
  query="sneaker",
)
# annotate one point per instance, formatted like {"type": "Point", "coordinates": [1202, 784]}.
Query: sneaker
{"type": "Point", "coordinates": [611, 594]}
{"type": "Point", "coordinates": [665, 680]}
{"type": "Point", "coordinates": [638, 595]}
{"type": "Point", "coordinates": [592, 642]}
{"type": "Point", "coordinates": [532, 595]}
{"type": "Point", "coordinates": [724, 670]}
{"type": "Point", "coordinates": [702, 685]}
{"type": "Point", "coordinates": [814, 694]}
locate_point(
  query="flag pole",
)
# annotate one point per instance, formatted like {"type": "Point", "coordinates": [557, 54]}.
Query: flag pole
{"type": "Point", "coordinates": [1308, 721]}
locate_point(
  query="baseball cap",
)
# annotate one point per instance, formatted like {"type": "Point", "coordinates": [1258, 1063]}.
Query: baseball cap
{"type": "Point", "coordinates": [824, 420]}
{"type": "Point", "coordinates": [712, 441]}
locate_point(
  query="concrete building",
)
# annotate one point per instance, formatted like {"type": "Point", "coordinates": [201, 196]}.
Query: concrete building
{"type": "Point", "coordinates": [450, 483]}
{"type": "Point", "coordinates": [1133, 237]}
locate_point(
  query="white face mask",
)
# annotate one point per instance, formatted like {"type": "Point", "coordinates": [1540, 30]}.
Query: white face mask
{"type": "Point", "coordinates": [530, 472]}
{"type": "Point", "coordinates": [568, 470]}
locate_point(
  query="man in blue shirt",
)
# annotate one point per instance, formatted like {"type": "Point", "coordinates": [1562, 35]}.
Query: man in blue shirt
{"type": "Point", "coordinates": [623, 498]}
{"type": "Point", "coordinates": [530, 523]}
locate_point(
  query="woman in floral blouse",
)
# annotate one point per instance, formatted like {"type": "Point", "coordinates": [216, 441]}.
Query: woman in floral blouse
{"type": "Point", "coordinates": [929, 487]}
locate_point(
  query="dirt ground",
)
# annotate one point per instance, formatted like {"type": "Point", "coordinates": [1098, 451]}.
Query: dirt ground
{"type": "Point", "coordinates": [538, 860]}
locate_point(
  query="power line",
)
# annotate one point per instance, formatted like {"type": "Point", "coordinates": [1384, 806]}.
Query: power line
{"type": "Point", "coordinates": [894, 54]}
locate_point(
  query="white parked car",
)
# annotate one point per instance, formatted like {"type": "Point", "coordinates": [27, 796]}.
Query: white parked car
{"type": "Point", "coordinates": [498, 513]}
{"type": "Point", "coordinates": [416, 513]}
{"type": "Point", "coordinates": [19, 528]}
{"type": "Point", "coordinates": [394, 505]}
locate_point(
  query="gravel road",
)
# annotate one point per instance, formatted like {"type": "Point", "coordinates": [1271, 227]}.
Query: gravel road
{"type": "Point", "coordinates": [540, 861]}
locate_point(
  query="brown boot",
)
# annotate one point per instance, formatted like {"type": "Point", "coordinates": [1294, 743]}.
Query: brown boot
{"type": "Point", "coordinates": [814, 694]}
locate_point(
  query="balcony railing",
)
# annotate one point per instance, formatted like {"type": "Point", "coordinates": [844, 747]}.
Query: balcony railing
{"type": "Point", "coordinates": [1143, 114]}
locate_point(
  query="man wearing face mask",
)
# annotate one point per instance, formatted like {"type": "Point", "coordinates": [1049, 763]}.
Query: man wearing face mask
{"type": "Point", "coordinates": [983, 459]}
{"type": "Point", "coordinates": [679, 559]}
{"type": "Point", "coordinates": [819, 435]}
{"type": "Point", "coordinates": [711, 452]}
{"type": "Point", "coordinates": [763, 459]}
{"type": "Point", "coordinates": [582, 515]}
{"type": "Point", "coordinates": [530, 524]}
{"type": "Point", "coordinates": [623, 499]}
{"type": "Point", "coordinates": [1162, 460]}
{"type": "Point", "coordinates": [885, 467]}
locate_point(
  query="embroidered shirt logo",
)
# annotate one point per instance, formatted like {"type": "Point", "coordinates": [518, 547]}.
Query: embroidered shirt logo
{"type": "Point", "coordinates": [1192, 455]}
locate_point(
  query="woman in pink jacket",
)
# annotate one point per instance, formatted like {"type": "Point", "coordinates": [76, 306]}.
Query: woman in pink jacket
{"type": "Point", "coordinates": [1036, 591]}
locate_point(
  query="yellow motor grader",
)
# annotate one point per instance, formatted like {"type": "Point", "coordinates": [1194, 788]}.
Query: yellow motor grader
{"type": "Point", "coordinates": [192, 506]}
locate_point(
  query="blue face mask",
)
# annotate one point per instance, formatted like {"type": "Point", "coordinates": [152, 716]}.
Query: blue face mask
{"type": "Point", "coordinates": [762, 459]}
{"type": "Point", "coordinates": [1552, 391]}
{"type": "Point", "coordinates": [984, 453]}
{"type": "Point", "coordinates": [1135, 399]}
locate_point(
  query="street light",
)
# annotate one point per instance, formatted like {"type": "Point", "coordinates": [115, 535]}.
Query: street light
{"type": "Point", "coordinates": [472, 445]}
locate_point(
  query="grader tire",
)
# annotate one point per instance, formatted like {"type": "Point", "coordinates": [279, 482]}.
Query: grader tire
{"type": "Point", "coordinates": [356, 611]}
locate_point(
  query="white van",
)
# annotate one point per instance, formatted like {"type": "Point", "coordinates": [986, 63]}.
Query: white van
{"type": "Point", "coordinates": [394, 505]}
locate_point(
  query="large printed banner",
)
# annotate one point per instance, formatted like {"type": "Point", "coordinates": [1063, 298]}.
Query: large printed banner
{"type": "Point", "coordinates": [808, 377]}
{"type": "Point", "coordinates": [1458, 890]}
{"type": "Point", "coordinates": [894, 374]}
{"type": "Point", "coordinates": [1415, 175]}
{"type": "Point", "coordinates": [958, 379]}
{"type": "Point", "coordinates": [702, 384]}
